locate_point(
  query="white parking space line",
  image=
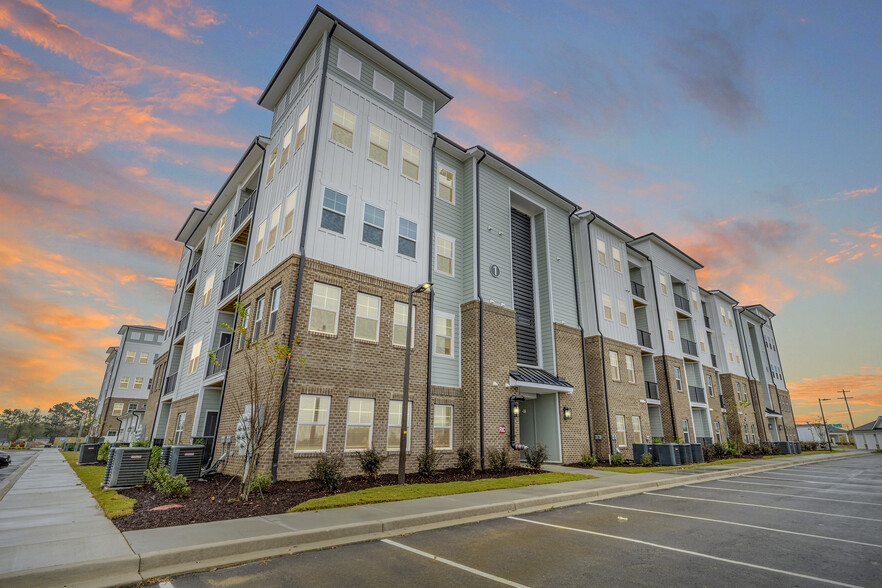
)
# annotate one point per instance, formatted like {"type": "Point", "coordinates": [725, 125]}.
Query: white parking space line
{"type": "Point", "coordinates": [826, 514]}
{"type": "Point", "coordinates": [454, 564]}
{"type": "Point", "coordinates": [840, 490]}
{"type": "Point", "coordinates": [166, 585]}
{"type": "Point", "coordinates": [688, 552]}
{"type": "Point", "coordinates": [702, 487]}
{"type": "Point", "coordinates": [801, 481]}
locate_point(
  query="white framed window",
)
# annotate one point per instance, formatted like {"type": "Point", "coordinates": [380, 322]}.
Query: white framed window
{"type": "Point", "coordinates": [670, 330]}
{"type": "Point", "coordinates": [275, 296]}
{"type": "Point", "coordinates": [124, 382]}
{"type": "Point", "coordinates": [731, 356]}
{"type": "Point", "coordinates": [286, 148]}
{"type": "Point", "coordinates": [738, 391]}
{"type": "Point", "coordinates": [312, 423]}
{"type": "Point", "coordinates": [629, 369]}
{"type": "Point", "coordinates": [384, 85]}
{"type": "Point", "coordinates": [413, 104]}
{"type": "Point", "coordinates": [290, 205]}
{"type": "Point", "coordinates": [443, 426]}
{"type": "Point", "coordinates": [207, 289]}
{"type": "Point", "coordinates": [367, 317]}
{"type": "Point", "coordinates": [663, 284]}
{"type": "Point", "coordinates": [717, 431]}
{"type": "Point", "coordinates": [678, 379]}
{"type": "Point", "coordinates": [623, 313]}
{"type": "Point", "coordinates": [443, 334]}
{"type": "Point", "coordinates": [374, 225]}
{"type": "Point", "coordinates": [273, 227]}
{"type": "Point", "coordinates": [638, 432]}
{"type": "Point", "coordinates": [143, 358]}
{"type": "Point", "coordinates": [194, 356]}
{"type": "Point", "coordinates": [621, 434]}
{"type": "Point", "coordinates": [444, 247]}
{"type": "Point", "coordinates": [133, 406]}
{"type": "Point", "coordinates": [694, 300]}
{"type": "Point", "coordinates": [219, 229]}
{"type": "Point", "coordinates": [723, 315]}
{"type": "Point", "coordinates": [325, 308]}
{"type": "Point", "coordinates": [614, 366]}
{"type": "Point", "coordinates": [737, 358]}
{"type": "Point", "coordinates": [117, 408]}
{"type": "Point", "coordinates": [258, 319]}
{"type": "Point", "coordinates": [139, 383]}
{"type": "Point", "coordinates": [410, 161]}
{"type": "Point", "coordinates": [446, 189]}
{"type": "Point", "coordinates": [710, 385]}
{"type": "Point", "coordinates": [130, 357]}
{"type": "Point", "coordinates": [686, 430]}
{"type": "Point", "coordinates": [246, 316]}
{"type": "Point", "coordinates": [111, 434]}
{"type": "Point", "coordinates": [607, 307]}
{"type": "Point", "coordinates": [342, 126]}
{"type": "Point", "coordinates": [617, 259]}
{"type": "Point", "coordinates": [393, 433]}
{"type": "Point", "coordinates": [349, 64]}
{"type": "Point", "coordinates": [301, 128]}
{"type": "Point", "coordinates": [258, 246]}
{"type": "Point", "coordinates": [399, 325]}
{"type": "Point", "coordinates": [601, 252]}
{"type": "Point", "coordinates": [359, 424]}
{"type": "Point", "coordinates": [407, 237]}
{"type": "Point", "coordinates": [379, 145]}
{"type": "Point", "coordinates": [271, 170]}
{"type": "Point", "coordinates": [334, 211]}
{"type": "Point", "coordinates": [701, 341]}
{"type": "Point", "coordinates": [729, 312]}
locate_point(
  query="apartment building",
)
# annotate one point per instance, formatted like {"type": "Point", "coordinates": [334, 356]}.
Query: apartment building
{"type": "Point", "coordinates": [126, 384]}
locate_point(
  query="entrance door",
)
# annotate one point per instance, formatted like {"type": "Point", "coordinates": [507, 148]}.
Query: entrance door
{"type": "Point", "coordinates": [774, 427]}
{"type": "Point", "coordinates": [540, 424]}
{"type": "Point", "coordinates": [209, 432]}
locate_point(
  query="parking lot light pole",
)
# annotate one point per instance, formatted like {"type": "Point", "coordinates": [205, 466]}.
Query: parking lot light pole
{"type": "Point", "coordinates": [845, 398]}
{"type": "Point", "coordinates": [826, 430]}
{"type": "Point", "coordinates": [402, 448]}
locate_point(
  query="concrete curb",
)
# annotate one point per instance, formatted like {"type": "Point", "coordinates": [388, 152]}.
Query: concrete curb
{"type": "Point", "coordinates": [9, 482]}
{"type": "Point", "coordinates": [111, 571]}
{"type": "Point", "coordinates": [230, 552]}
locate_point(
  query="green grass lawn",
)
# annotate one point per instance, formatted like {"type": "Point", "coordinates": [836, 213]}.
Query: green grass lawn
{"type": "Point", "coordinates": [113, 503]}
{"type": "Point", "coordinates": [645, 470]}
{"type": "Point", "coordinates": [411, 491]}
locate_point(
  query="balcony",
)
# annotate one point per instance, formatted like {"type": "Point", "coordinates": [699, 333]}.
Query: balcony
{"type": "Point", "coordinates": [170, 384]}
{"type": "Point", "coordinates": [644, 339]}
{"type": "Point", "coordinates": [707, 321]}
{"type": "Point", "coordinates": [689, 347]}
{"type": "Point", "coordinates": [191, 273]}
{"type": "Point", "coordinates": [638, 290]}
{"type": "Point", "coordinates": [651, 390]}
{"type": "Point", "coordinates": [181, 327]}
{"type": "Point", "coordinates": [681, 302]}
{"type": "Point", "coordinates": [697, 395]}
{"type": "Point", "coordinates": [714, 359]}
{"type": "Point", "coordinates": [233, 281]}
{"type": "Point", "coordinates": [221, 360]}
{"type": "Point", "coordinates": [240, 234]}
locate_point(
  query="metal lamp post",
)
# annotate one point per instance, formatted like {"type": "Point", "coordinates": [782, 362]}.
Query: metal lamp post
{"type": "Point", "coordinates": [402, 449]}
{"type": "Point", "coordinates": [845, 398]}
{"type": "Point", "coordinates": [823, 418]}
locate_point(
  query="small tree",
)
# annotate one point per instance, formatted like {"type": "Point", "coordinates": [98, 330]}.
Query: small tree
{"type": "Point", "coordinates": [266, 367]}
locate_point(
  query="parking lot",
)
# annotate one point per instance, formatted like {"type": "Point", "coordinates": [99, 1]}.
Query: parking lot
{"type": "Point", "coordinates": [809, 525]}
{"type": "Point", "coordinates": [18, 456]}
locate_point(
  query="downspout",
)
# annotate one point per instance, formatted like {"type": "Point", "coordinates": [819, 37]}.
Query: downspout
{"type": "Point", "coordinates": [480, 303]}
{"type": "Point", "coordinates": [511, 424]}
{"type": "Point", "coordinates": [582, 331]}
{"type": "Point", "coordinates": [431, 294]}
{"type": "Point", "coordinates": [602, 342]}
{"type": "Point", "coordinates": [664, 361]}
{"type": "Point", "coordinates": [315, 138]}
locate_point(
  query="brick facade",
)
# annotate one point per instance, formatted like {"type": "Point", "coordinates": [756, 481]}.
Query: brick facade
{"type": "Point", "coordinates": [573, 431]}
{"type": "Point", "coordinates": [668, 394]}
{"type": "Point", "coordinates": [111, 421]}
{"type": "Point", "coordinates": [739, 414]}
{"type": "Point", "coordinates": [155, 393]}
{"type": "Point", "coordinates": [188, 406]}
{"type": "Point", "coordinates": [716, 403]}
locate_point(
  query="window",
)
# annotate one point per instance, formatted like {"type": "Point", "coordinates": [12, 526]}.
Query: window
{"type": "Point", "coordinates": [723, 315]}
{"type": "Point", "coordinates": [737, 358]}
{"type": "Point", "coordinates": [274, 227]}
{"type": "Point", "coordinates": [443, 334]}
{"type": "Point", "coordinates": [286, 148]}
{"type": "Point", "coordinates": [617, 260]}
{"type": "Point", "coordinates": [710, 385]}
{"type": "Point", "coordinates": [730, 317]}
{"type": "Point", "coordinates": [111, 434]}
{"type": "Point", "coordinates": [258, 247]}
{"type": "Point", "coordinates": [274, 309]}
{"type": "Point", "coordinates": [194, 356]}
{"type": "Point", "coordinates": [325, 308]}
{"type": "Point", "coordinates": [374, 223]}
{"type": "Point", "coordinates": [393, 434]}
{"type": "Point", "coordinates": [359, 424]}
{"type": "Point", "coordinates": [290, 204]}
{"type": "Point", "coordinates": [614, 366]}
{"type": "Point", "coordinates": [117, 408]}
{"type": "Point", "coordinates": [753, 432]}
{"type": "Point", "coordinates": [731, 358]}
{"type": "Point", "coordinates": [685, 430]}
{"type": "Point", "coordinates": [124, 382]}
{"type": "Point", "coordinates": [446, 190]}
{"type": "Point", "coordinates": [638, 432]}
{"type": "Point", "coordinates": [349, 64]}
{"type": "Point", "coordinates": [312, 423]}
{"type": "Point", "coordinates": [301, 128]}
{"type": "Point", "coordinates": [621, 436]}
{"type": "Point", "coordinates": [738, 391]}
{"type": "Point", "coordinates": [245, 316]}
{"type": "Point", "coordinates": [629, 368]}
{"type": "Point", "coordinates": [271, 172]}
{"type": "Point", "coordinates": [258, 319]}
{"type": "Point", "coordinates": [367, 317]}
{"type": "Point", "coordinates": [342, 127]}
{"type": "Point", "coordinates": [133, 406]}
{"type": "Point", "coordinates": [384, 85]}
{"type": "Point", "coordinates": [601, 252]}
{"type": "Point", "coordinates": [410, 161]}
{"type": "Point", "coordinates": [670, 330]}
{"type": "Point", "coordinates": [701, 341]}
{"type": "Point", "coordinates": [334, 211]}
{"type": "Point", "coordinates": [413, 104]}
{"type": "Point", "coordinates": [407, 235]}
{"type": "Point", "coordinates": [219, 229]}
{"type": "Point", "coordinates": [139, 383]}
{"type": "Point", "coordinates": [144, 357]}
{"type": "Point", "coordinates": [444, 254]}
{"type": "Point", "coordinates": [399, 325]}
{"type": "Point", "coordinates": [717, 431]}
{"type": "Point", "coordinates": [678, 379]}
{"type": "Point", "coordinates": [379, 145]}
{"type": "Point", "coordinates": [607, 307]}
{"type": "Point", "coordinates": [694, 300]}
{"type": "Point", "coordinates": [443, 421]}
{"type": "Point", "coordinates": [207, 289]}
{"type": "Point", "coordinates": [623, 313]}
{"type": "Point", "coordinates": [130, 357]}
{"type": "Point", "coordinates": [663, 284]}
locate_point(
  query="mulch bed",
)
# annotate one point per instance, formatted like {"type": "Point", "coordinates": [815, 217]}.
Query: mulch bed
{"type": "Point", "coordinates": [210, 501]}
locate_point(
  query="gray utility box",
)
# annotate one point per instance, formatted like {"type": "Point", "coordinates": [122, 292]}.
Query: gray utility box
{"type": "Point", "coordinates": [88, 453]}
{"type": "Point", "coordinates": [665, 454]}
{"type": "Point", "coordinates": [640, 449]}
{"type": "Point", "coordinates": [111, 453]}
{"type": "Point", "coordinates": [784, 447]}
{"type": "Point", "coordinates": [697, 453]}
{"type": "Point", "coordinates": [127, 467]}
{"type": "Point", "coordinates": [798, 446]}
{"type": "Point", "coordinates": [185, 460]}
{"type": "Point", "coordinates": [685, 451]}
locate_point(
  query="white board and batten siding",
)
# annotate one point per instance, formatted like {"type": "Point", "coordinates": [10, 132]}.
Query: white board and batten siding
{"type": "Point", "coordinates": [614, 284]}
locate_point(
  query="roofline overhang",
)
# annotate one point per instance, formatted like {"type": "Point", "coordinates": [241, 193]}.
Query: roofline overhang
{"type": "Point", "coordinates": [610, 226]}
{"type": "Point", "coordinates": [762, 308]}
{"type": "Point", "coordinates": [724, 296]}
{"type": "Point", "coordinates": [664, 243]}
{"type": "Point", "coordinates": [744, 310]}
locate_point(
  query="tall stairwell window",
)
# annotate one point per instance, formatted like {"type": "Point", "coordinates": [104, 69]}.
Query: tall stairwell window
{"type": "Point", "coordinates": [524, 296]}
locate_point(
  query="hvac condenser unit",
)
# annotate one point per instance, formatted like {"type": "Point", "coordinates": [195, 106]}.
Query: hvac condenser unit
{"type": "Point", "coordinates": [111, 453]}
{"type": "Point", "coordinates": [88, 454]}
{"type": "Point", "coordinates": [185, 460]}
{"type": "Point", "coordinates": [127, 467]}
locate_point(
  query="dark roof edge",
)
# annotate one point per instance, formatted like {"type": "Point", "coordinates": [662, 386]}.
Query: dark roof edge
{"type": "Point", "coordinates": [526, 175]}
{"type": "Point", "coordinates": [682, 253]}
{"type": "Point", "coordinates": [609, 223]}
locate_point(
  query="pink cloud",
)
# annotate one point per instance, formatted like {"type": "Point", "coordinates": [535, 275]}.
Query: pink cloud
{"type": "Point", "coordinates": [174, 18]}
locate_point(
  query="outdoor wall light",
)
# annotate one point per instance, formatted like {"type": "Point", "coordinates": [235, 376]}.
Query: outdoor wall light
{"type": "Point", "coordinates": [516, 410]}
{"type": "Point", "coordinates": [568, 414]}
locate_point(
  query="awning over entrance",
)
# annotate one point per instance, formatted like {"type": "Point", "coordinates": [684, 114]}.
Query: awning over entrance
{"type": "Point", "coordinates": [771, 414]}
{"type": "Point", "coordinates": [538, 381]}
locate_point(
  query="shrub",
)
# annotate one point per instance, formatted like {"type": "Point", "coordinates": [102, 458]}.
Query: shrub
{"type": "Point", "coordinates": [498, 460]}
{"type": "Point", "coordinates": [588, 460]}
{"type": "Point", "coordinates": [261, 483]}
{"type": "Point", "coordinates": [139, 443]}
{"type": "Point", "coordinates": [646, 459]}
{"type": "Point", "coordinates": [707, 451]}
{"type": "Point", "coordinates": [155, 453]}
{"type": "Point", "coordinates": [617, 459]}
{"type": "Point", "coordinates": [536, 457]}
{"type": "Point", "coordinates": [371, 463]}
{"type": "Point", "coordinates": [466, 461]}
{"type": "Point", "coordinates": [102, 451]}
{"type": "Point", "coordinates": [734, 448]}
{"type": "Point", "coordinates": [774, 449]}
{"type": "Point", "coordinates": [809, 445]}
{"type": "Point", "coordinates": [168, 485]}
{"type": "Point", "coordinates": [427, 462]}
{"type": "Point", "coordinates": [327, 472]}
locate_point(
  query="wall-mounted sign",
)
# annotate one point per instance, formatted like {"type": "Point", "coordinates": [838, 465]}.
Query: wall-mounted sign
{"type": "Point", "coordinates": [494, 270]}
{"type": "Point", "coordinates": [502, 428]}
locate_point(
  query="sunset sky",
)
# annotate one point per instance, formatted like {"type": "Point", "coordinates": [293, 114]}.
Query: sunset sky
{"type": "Point", "coordinates": [746, 133]}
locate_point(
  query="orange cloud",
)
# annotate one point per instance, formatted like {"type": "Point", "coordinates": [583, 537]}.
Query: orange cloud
{"type": "Point", "coordinates": [171, 17]}
{"type": "Point", "coordinates": [865, 387]}
{"type": "Point", "coordinates": [167, 283]}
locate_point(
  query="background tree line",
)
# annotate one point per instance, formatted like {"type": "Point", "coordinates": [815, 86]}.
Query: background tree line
{"type": "Point", "coordinates": [62, 420]}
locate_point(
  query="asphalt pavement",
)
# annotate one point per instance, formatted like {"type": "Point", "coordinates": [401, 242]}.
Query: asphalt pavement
{"type": "Point", "coordinates": [816, 524]}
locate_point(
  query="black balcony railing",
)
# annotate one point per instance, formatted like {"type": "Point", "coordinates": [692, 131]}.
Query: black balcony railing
{"type": "Point", "coordinates": [689, 347]}
{"type": "Point", "coordinates": [644, 338]}
{"type": "Point", "coordinates": [244, 211]}
{"type": "Point", "coordinates": [221, 360]}
{"type": "Point", "coordinates": [651, 390]}
{"type": "Point", "coordinates": [707, 321]}
{"type": "Point", "coordinates": [681, 302]}
{"type": "Point", "coordinates": [182, 324]}
{"type": "Point", "coordinates": [638, 290]}
{"type": "Point", "coordinates": [170, 383]}
{"type": "Point", "coordinates": [722, 401]}
{"type": "Point", "coordinates": [191, 273]}
{"type": "Point", "coordinates": [232, 281]}
{"type": "Point", "coordinates": [696, 394]}
{"type": "Point", "coordinates": [714, 359]}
